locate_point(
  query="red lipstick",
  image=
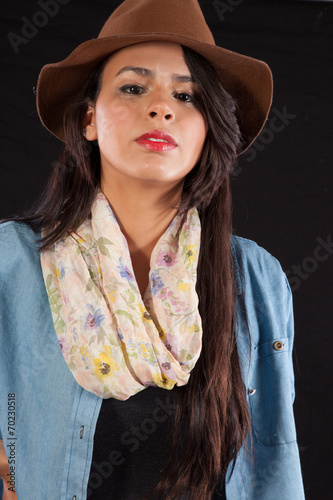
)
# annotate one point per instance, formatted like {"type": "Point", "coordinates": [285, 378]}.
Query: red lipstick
{"type": "Point", "coordinates": [156, 140]}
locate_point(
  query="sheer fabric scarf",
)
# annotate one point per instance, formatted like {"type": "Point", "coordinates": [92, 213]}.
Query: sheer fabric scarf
{"type": "Point", "coordinates": [114, 341]}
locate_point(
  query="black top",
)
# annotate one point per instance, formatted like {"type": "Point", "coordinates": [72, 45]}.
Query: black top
{"type": "Point", "coordinates": [132, 445]}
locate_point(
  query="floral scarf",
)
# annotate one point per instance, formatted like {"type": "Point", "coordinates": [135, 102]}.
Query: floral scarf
{"type": "Point", "coordinates": [115, 342]}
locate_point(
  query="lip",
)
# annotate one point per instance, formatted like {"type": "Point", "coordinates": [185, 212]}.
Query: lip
{"type": "Point", "coordinates": [143, 140]}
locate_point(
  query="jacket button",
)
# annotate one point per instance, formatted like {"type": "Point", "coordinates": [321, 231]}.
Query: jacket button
{"type": "Point", "coordinates": [251, 391]}
{"type": "Point", "coordinates": [278, 345]}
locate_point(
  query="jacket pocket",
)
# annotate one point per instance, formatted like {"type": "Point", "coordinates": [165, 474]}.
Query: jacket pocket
{"type": "Point", "coordinates": [270, 396]}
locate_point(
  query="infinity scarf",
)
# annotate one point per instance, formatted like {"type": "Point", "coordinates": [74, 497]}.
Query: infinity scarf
{"type": "Point", "coordinates": [115, 342]}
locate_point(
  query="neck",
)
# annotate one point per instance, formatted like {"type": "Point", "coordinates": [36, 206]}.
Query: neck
{"type": "Point", "coordinates": [143, 211]}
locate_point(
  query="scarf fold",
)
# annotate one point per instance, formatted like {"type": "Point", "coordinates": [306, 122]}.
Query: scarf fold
{"type": "Point", "coordinates": [116, 342]}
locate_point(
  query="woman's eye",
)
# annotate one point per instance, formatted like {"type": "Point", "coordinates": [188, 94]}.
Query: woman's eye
{"type": "Point", "coordinates": [132, 89]}
{"type": "Point", "coordinates": [138, 90]}
{"type": "Point", "coordinates": [184, 96]}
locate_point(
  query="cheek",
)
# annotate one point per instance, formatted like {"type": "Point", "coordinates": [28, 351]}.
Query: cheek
{"type": "Point", "coordinates": [197, 131]}
{"type": "Point", "coordinates": [111, 120]}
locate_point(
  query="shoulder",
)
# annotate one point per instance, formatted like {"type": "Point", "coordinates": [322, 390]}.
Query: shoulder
{"type": "Point", "coordinates": [249, 253]}
{"type": "Point", "coordinates": [264, 296]}
{"type": "Point", "coordinates": [18, 244]}
{"type": "Point", "coordinates": [254, 266]}
{"type": "Point", "coordinates": [22, 288]}
{"type": "Point", "coordinates": [262, 288]}
{"type": "Point", "coordinates": [17, 231]}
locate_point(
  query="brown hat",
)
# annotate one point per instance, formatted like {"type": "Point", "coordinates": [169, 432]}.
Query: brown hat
{"type": "Point", "coordinates": [248, 80]}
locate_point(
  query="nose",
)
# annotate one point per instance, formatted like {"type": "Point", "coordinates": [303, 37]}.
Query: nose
{"type": "Point", "coordinates": [166, 116]}
{"type": "Point", "coordinates": [160, 107]}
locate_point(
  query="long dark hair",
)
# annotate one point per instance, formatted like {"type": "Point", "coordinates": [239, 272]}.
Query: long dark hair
{"type": "Point", "coordinates": [213, 403]}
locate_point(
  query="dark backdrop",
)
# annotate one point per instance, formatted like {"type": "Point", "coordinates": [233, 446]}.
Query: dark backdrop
{"type": "Point", "coordinates": [282, 187]}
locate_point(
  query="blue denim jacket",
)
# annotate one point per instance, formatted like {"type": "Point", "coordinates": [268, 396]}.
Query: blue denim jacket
{"type": "Point", "coordinates": [50, 442]}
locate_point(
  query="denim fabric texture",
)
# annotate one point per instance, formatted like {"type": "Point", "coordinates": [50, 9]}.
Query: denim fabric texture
{"type": "Point", "coordinates": [56, 418]}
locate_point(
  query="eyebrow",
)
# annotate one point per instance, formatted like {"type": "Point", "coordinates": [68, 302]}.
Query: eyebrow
{"type": "Point", "coordinates": [148, 72]}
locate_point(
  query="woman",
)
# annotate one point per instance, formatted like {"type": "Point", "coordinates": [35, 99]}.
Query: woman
{"type": "Point", "coordinates": [148, 341]}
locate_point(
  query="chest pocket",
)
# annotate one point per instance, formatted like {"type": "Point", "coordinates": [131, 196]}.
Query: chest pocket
{"type": "Point", "coordinates": [270, 396]}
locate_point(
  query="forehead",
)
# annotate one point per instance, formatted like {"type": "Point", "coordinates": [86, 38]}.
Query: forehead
{"type": "Point", "coordinates": [166, 56]}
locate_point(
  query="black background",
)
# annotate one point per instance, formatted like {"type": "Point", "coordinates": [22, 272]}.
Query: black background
{"type": "Point", "coordinates": [282, 198]}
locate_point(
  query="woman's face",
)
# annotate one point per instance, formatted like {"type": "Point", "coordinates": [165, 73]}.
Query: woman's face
{"type": "Point", "coordinates": [147, 89]}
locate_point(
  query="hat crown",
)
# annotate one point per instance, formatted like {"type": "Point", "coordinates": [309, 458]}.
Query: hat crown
{"type": "Point", "coordinates": [178, 17]}
{"type": "Point", "coordinates": [248, 80]}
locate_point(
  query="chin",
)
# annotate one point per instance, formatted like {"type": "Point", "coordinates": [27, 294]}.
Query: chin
{"type": "Point", "coordinates": [153, 173]}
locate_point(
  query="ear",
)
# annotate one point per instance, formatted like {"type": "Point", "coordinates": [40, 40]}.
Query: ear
{"type": "Point", "coordinates": [89, 126]}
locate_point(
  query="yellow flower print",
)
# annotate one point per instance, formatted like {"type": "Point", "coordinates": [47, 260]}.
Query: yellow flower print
{"type": "Point", "coordinates": [145, 351]}
{"type": "Point", "coordinates": [85, 356]}
{"type": "Point", "coordinates": [162, 334]}
{"type": "Point", "coordinates": [105, 364]}
{"type": "Point", "coordinates": [191, 252]}
{"type": "Point", "coordinates": [99, 270]}
{"type": "Point", "coordinates": [191, 329]}
{"type": "Point", "coordinates": [144, 313]}
{"type": "Point", "coordinates": [56, 272]}
{"type": "Point", "coordinates": [111, 296]}
{"type": "Point", "coordinates": [84, 352]}
{"type": "Point", "coordinates": [80, 240]}
{"type": "Point", "coordinates": [163, 381]}
{"type": "Point", "coordinates": [183, 286]}
{"type": "Point", "coordinates": [143, 348]}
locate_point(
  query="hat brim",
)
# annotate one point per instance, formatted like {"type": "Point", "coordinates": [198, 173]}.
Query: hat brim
{"type": "Point", "coordinates": [248, 80]}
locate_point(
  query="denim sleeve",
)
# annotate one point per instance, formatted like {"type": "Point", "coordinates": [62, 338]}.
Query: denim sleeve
{"type": "Point", "coordinates": [272, 378]}
{"type": "Point", "coordinates": [268, 467]}
{"type": "Point", "coordinates": [290, 331]}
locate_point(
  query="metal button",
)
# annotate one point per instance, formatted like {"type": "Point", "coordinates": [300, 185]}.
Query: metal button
{"type": "Point", "coordinates": [278, 345]}
{"type": "Point", "coordinates": [251, 391]}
